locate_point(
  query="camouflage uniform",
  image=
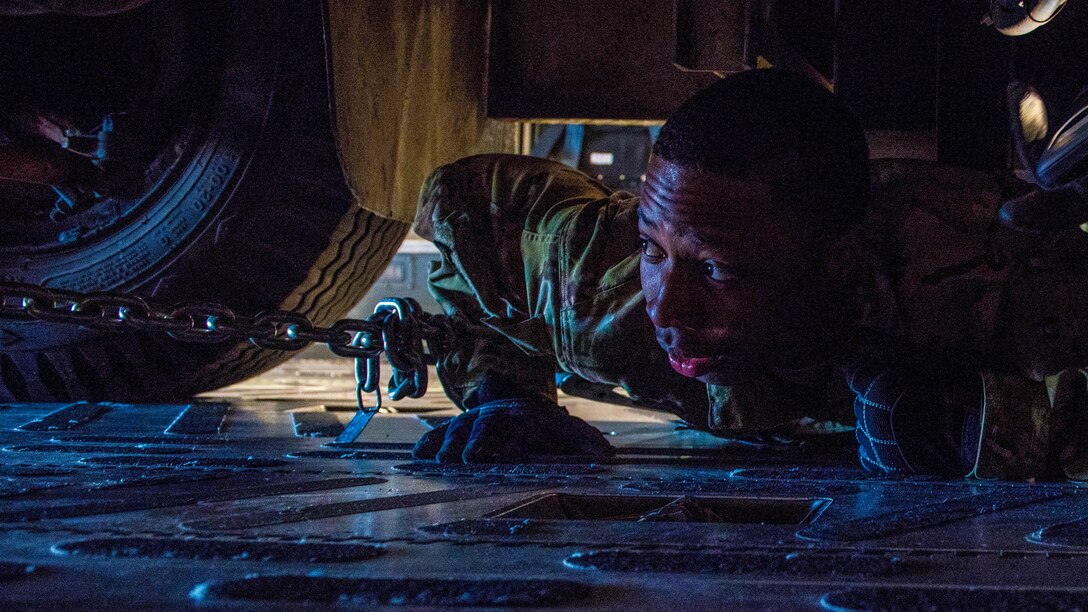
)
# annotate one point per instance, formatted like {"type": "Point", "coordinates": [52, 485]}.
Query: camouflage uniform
{"type": "Point", "coordinates": [540, 267]}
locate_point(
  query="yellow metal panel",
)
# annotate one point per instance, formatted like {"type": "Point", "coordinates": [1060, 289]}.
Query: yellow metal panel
{"type": "Point", "coordinates": [408, 81]}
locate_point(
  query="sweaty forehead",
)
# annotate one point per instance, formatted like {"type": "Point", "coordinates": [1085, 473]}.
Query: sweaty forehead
{"type": "Point", "coordinates": [677, 195]}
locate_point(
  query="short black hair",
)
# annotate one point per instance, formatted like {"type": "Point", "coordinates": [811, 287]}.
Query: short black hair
{"type": "Point", "coordinates": [781, 128]}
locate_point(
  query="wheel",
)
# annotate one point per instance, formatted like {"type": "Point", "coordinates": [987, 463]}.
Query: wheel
{"type": "Point", "coordinates": [222, 184]}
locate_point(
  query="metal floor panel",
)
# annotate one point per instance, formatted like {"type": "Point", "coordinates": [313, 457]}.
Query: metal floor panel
{"type": "Point", "coordinates": [239, 501]}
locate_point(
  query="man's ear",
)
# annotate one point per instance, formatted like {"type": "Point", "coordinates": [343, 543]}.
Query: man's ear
{"type": "Point", "coordinates": [843, 261]}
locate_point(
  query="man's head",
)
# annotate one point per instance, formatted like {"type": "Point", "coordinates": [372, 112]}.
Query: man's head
{"type": "Point", "coordinates": [747, 221]}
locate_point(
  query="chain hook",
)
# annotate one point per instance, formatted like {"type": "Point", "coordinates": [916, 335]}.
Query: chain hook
{"type": "Point", "coordinates": [367, 375]}
{"type": "Point", "coordinates": [367, 372]}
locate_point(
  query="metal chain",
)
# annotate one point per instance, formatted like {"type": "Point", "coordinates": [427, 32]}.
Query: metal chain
{"type": "Point", "coordinates": [410, 338]}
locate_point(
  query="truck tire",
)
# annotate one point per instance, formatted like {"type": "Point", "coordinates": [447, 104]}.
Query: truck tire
{"type": "Point", "coordinates": [242, 200]}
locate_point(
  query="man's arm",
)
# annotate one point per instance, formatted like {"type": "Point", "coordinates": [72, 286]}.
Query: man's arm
{"type": "Point", "coordinates": [488, 216]}
{"type": "Point", "coordinates": [485, 214]}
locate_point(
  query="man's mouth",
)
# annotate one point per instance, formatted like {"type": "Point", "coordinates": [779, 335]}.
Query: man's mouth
{"type": "Point", "coordinates": [693, 367]}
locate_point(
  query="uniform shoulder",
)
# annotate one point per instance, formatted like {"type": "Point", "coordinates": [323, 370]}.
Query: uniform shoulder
{"type": "Point", "coordinates": [963, 199]}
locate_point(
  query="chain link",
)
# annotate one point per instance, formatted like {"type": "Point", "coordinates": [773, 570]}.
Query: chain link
{"type": "Point", "coordinates": [410, 338]}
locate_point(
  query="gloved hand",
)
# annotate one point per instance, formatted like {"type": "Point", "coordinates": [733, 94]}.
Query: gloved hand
{"type": "Point", "coordinates": [914, 422]}
{"type": "Point", "coordinates": [1059, 202]}
{"type": "Point", "coordinates": [511, 431]}
{"type": "Point", "coordinates": [1048, 210]}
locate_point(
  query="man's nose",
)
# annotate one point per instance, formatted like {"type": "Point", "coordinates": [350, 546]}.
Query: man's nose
{"type": "Point", "coordinates": [670, 302]}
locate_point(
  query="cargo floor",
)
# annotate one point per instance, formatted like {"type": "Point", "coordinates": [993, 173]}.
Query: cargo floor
{"type": "Point", "coordinates": [239, 500]}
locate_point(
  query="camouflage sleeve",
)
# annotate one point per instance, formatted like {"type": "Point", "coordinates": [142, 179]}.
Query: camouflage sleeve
{"type": "Point", "coordinates": [479, 212]}
{"type": "Point", "coordinates": [1035, 413]}
{"type": "Point", "coordinates": [1033, 429]}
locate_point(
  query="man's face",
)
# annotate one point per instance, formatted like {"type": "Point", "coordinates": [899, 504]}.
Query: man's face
{"type": "Point", "coordinates": [732, 284]}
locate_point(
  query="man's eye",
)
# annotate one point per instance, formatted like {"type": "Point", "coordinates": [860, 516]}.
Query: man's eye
{"type": "Point", "coordinates": [718, 272]}
{"type": "Point", "coordinates": [650, 250]}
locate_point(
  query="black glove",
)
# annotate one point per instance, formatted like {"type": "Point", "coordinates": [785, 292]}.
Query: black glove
{"type": "Point", "coordinates": [914, 422]}
{"type": "Point", "coordinates": [1048, 210]}
{"type": "Point", "coordinates": [1060, 201]}
{"type": "Point", "coordinates": [511, 431]}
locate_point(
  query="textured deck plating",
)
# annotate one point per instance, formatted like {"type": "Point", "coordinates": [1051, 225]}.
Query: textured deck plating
{"type": "Point", "coordinates": [252, 506]}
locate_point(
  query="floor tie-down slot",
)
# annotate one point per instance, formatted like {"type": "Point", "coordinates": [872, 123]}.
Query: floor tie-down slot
{"type": "Point", "coordinates": [671, 508]}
